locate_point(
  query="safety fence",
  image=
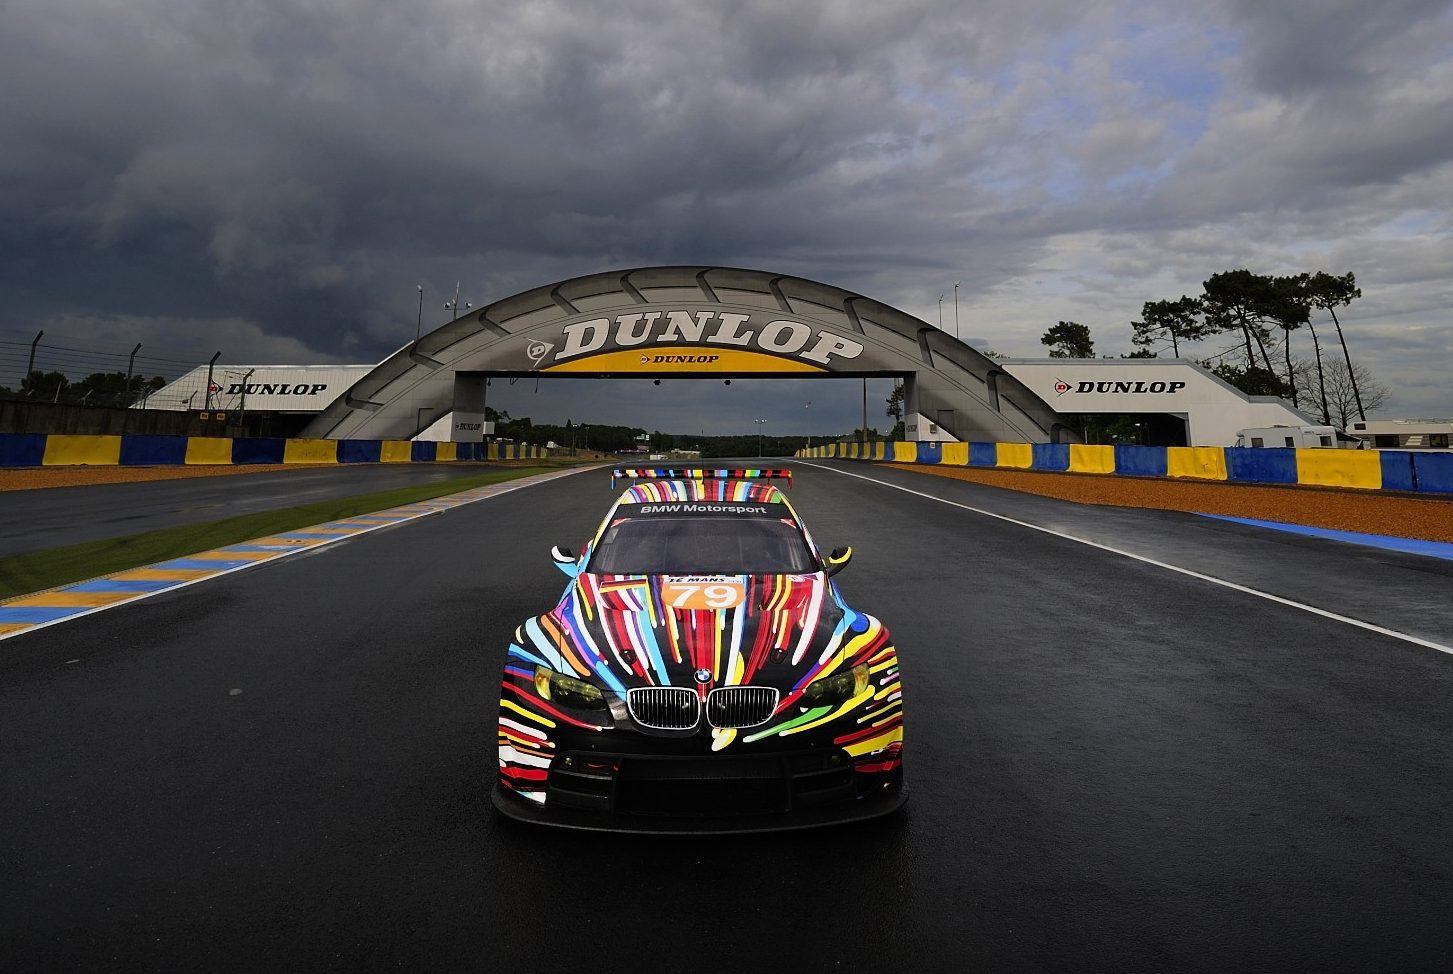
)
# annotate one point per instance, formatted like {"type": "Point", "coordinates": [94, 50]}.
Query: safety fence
{"type": "Point", "coordinates": [1366, 469]}
{"type": "Point", "coordinates": [54, 449]}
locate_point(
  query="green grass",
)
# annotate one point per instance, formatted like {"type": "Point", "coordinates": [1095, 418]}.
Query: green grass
{"type": "Point", "coordinates": [36, 571]}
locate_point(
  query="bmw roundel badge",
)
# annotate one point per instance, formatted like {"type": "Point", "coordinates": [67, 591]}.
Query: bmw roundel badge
{"type": "Point", "coordinates": [703, 676]}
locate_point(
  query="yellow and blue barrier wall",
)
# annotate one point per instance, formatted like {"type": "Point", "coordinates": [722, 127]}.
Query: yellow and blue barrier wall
{"type": "Point", "coordinates": [55, 449]}
{"type": "Point", "coordinates": [1399, 470]}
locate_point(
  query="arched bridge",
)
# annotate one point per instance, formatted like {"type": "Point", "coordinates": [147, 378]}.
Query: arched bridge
{"type": "Point", "coordinates": [690, 322]}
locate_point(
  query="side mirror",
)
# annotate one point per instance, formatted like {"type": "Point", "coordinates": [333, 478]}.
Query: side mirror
{"type": "Point", "coordinates": [564, 560]}
{"type": "Point", "coordinates": [838, 560]}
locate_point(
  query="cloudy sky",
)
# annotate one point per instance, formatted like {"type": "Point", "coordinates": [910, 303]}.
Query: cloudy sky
{"type": "Point", "coordinates": [272, 179]}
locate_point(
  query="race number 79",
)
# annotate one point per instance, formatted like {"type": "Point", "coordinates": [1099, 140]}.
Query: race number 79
{"type": "Point", "coordinates": [703, 593]}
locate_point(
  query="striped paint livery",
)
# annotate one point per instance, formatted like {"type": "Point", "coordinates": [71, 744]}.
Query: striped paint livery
{"type": "Point", "coordinates": [621, 632]}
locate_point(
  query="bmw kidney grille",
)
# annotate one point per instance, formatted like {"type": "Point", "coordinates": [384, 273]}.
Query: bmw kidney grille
{"type": "Point", "coordinates": [664, 708]}
{"type": "Point", "coordinates": [740, 706]}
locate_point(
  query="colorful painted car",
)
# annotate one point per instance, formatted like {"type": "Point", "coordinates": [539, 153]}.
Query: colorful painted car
{"type": "Point", "coordinates": [701, 673]}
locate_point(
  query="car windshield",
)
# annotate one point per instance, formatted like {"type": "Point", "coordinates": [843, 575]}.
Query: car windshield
{"type": "Point", "coordinates": [702, 545]}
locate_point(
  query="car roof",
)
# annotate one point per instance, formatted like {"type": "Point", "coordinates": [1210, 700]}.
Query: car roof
{"type": "Point", "coordinates": [727, 491]}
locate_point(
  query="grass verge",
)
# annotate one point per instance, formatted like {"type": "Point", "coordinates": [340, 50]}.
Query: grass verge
{"type": "Point", "coordinates": [36, 571]}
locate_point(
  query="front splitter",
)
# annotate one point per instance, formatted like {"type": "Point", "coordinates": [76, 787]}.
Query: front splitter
{"type": "Point", "coordinates": [862, 809]}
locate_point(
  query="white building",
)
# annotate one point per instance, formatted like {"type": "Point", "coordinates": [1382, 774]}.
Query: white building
{"type": "Point", "coordinates": [1166, 391]}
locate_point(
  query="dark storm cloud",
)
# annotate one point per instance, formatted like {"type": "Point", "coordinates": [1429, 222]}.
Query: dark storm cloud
{"type": "Point", "coordinates": [273, 178]}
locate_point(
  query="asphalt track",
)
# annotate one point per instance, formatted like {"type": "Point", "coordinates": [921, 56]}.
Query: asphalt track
{"type": "Point", "coordinates": [1114, 766]}
{"type": "Point", "coordinates": [37, 519]}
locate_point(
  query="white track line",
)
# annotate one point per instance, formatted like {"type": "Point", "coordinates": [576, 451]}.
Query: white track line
{"type": "Point", "coordinates": [1348, 620]}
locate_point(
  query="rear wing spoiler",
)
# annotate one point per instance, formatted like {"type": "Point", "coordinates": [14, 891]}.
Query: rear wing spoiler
{"type": "Point", "coordinates": [699, 473]}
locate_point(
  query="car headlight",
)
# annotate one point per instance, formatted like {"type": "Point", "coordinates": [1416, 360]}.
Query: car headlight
{"type": "Point", "coordinates": [836, 689]}
{"type": "Point", "coordinates": [567, 690]}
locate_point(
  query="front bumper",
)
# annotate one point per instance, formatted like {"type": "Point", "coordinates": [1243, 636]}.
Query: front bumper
{"type": "Point", "coordinates": [674, 794]}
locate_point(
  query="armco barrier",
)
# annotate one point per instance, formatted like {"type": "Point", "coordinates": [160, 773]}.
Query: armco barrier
{"type": "Point", "coordinates": [311, 451]}
{"type": "Point", "coordinates": [1386, 470]}
{"type": "Point", "coordinates": [1271, 465]}
{"type": "Point", "coordinates": [1018, 456]}
{"type": "Point", "coordinates": [357, 451]}
{"type": "Point", "coordinates": [266, 449]}
{"type": "Point", "coordinates": [1140, 461]}
{"type": "Point", "coordinates": [1049, 456]}
{"type": "Point", "coordinates": [1091, 459]}
{"type": "Point", "coordinates": [1198, 462]}
{"type": "Point", "coordinates": [1339, 468]}
{"type": "Point", "coordinates": [148, 449]}
{"type": "Point", "coordinates": [1434, 472]}
{"type": "Point", "coordinates": [983, 454]}
{"type": "Point", "coordinates": [22, 449]}
{"type": "Point", "coordinates": [396, 451]}
{"type": "Point", "coordinates": [62, 450]}
{"type": "Point", "coordinates": [153, 450]}
{"type": "Point", "coordinates": [208, 450]}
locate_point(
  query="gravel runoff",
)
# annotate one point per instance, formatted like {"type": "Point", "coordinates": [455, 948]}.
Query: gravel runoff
{"type": "Point", "coordinates": [1430, 519]}
{"type": "Point", "coordinates": [1367, 511]}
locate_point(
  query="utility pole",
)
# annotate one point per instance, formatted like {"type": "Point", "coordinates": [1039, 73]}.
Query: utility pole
{"type": "Point", "coordinates": [419, 326]}
{"type": "Point", "coordinates": [940, 312]}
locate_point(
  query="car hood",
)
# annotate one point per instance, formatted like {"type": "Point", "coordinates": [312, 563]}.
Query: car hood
{"type": "Point", "coordinates": [642, 630]}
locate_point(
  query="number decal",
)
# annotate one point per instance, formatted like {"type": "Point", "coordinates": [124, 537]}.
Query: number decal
{"type": "Point", "coordinates": [703, 592]}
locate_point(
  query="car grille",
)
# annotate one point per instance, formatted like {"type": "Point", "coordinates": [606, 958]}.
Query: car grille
{"type": "Point", "coordinates": [664, 708]}
{"type": "Point", "coordinates": [740, 706]}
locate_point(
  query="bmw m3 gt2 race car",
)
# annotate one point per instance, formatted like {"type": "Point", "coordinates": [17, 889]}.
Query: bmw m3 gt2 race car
{"type": "Point", "coordinates": [701, 673]}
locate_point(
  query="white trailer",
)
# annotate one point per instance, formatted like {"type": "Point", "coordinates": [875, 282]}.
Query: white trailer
{"type": "Point", "coordinates": [1404, 434]}
{"type": "Point", "coordinates": [1324, 437]}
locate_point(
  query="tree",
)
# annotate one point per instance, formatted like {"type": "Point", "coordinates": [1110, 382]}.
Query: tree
{"type": "Point", "coordinates": [111, 388]}
{"type": "Point", "coordinates": [1240, 301]}
{"type": "Point", "coordinates": [1329, 292]}
{"type": "Point", "coordinates": [1288, 308]}
{"type": "Point", "coordinates": [44, 385]}
{"type": "Point", "coordinates": [1069, 339]}
{"type": "Point", "coordinates": [1173, 321]}
{"type": "Point", "coordinates": [1254, 381]}
{"type": "Point", "coordinates": [1349, 393]}
{"type": "Point", "coordinates": [895, 401]}
{"type": "Point", "coordinates": [1141, 353]}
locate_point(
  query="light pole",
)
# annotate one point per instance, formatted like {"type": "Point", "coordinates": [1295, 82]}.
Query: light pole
{"type": "Point", "coordinates": [761, 431]}
{"type": "Point", "coordinates": [242, 406]}
{"type": "Point", "coordinates": [30, 365]}
{"type": "Point", "coordinates": [956, 308]}
{"type": "Point", "coordinates": [940, 312]}
{"type": "Point", "coordinates": [454, 304]}
{"type": "Point", "coordinates": [809, 425]}
{"type": "Point", "coordinates": [419, 326]}
{"type": "Point", "coordinates": [207, 403]}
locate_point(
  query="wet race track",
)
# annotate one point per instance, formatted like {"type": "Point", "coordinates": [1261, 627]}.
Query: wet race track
{"type": "Point", "coordinates": [1113, 764]}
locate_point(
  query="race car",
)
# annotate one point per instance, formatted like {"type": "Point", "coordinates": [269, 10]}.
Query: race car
{"type": "Point", "coordinates": [701, 673]}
